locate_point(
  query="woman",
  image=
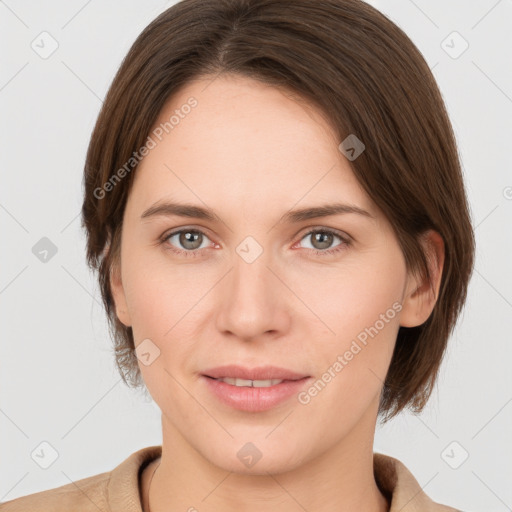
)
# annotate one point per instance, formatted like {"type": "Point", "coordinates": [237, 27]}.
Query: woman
{"type": "Point", "coordinates": [275, 207]}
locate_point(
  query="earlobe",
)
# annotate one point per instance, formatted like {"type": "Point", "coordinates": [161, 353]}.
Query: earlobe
{"type": "Point", "coordinates": [421, 294]}
{"type": "Point", "coordinates": [118, 294]}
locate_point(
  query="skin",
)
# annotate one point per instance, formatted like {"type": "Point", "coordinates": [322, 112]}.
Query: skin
{"type": "Point", "coordinates": [251, 153]}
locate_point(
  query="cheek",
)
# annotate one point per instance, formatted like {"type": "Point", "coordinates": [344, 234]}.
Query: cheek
{"type": "Point", "coordinates": [160, 293]}
{"type": "Point", "coordinates": [158, 306]}
{"type": "Point", "coordinates": [166, 304]}
{"type": "Point", "coordinates": [360, 305]}
{"type": "Point", "coordinates": [354, 367]}
{"type": "Point", "coordinates": [352, 296]}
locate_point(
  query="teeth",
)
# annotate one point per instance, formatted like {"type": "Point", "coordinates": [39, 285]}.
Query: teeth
{"type": "Point", "coordinates": [251, 383]}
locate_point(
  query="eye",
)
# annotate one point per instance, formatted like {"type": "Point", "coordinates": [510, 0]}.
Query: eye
{"type": "Point", "coordinates": [188, 242]}
{"type": "Point", "coordinates": [323, 238]}
{"type": "Point", "coordinates": [188, 239]}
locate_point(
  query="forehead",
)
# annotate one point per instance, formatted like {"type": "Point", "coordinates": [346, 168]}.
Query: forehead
{"type": "Point", "coordinates": [246, 140]}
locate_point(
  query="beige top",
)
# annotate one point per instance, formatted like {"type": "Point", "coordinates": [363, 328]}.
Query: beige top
{"type": "Point", "coordinates": [119, 489]}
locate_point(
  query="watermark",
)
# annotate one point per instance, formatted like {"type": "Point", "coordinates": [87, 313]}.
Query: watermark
{"type": "Point", "coordinates": [249, 454]}
{"type": "Point", "coordinates": [147, 352]}
{"type": "Point", "coordinates": [151, 143]}
{"type": "Point", "coordinates": [44, 454]}
{"type": "Point", "coordinates": [44, 250]}
{"type": "Point", "coordinates": [304, 397]}
{"type": "Point", "coordinates": [454, 44]}
{"type": "Point", "coordinates": [44, 45]}
{"type": "Point", "coordinates": [454, 455]}
{"type": "Point", "coordinates": [352, 147]}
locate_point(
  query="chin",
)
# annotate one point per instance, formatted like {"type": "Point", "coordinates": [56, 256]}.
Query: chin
{"type": "Point", "coordinates": [257, 457]}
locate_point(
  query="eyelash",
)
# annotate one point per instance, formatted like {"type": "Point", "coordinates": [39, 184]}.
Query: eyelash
{"type": "Point", "coordinates": [346, 242]}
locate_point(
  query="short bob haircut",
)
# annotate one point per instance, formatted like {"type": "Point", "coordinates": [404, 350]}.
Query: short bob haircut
{"type": "Point", "coordinates": [366, 77]}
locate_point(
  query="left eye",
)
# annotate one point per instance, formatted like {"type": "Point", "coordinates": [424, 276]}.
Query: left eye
{"type": "Point", "coordinates": [323, 239]}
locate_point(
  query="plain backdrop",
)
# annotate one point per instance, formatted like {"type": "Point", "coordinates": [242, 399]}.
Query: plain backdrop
{"type": "Point", "coordinates": [58, 382]}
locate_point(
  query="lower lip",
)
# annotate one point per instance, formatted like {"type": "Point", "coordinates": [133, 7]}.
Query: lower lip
{"type": "Point", "coordinates": [253, 399]}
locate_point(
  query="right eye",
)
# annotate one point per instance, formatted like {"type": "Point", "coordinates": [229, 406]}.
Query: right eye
{"type": "Point", "coordinates": [190, 239]}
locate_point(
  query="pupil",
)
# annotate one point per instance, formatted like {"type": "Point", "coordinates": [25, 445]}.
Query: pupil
{"type": "Point", "coordinates": [189, 237]}
{"type": "Point", "coordinates": [323, 244]}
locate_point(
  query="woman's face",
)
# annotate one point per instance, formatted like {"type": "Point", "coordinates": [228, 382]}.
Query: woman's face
{"type": "Point", "coordinates": [254, 286]}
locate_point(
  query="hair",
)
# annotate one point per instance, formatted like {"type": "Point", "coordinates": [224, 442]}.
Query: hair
{"type": "Point", "coordinates": [364, 74]}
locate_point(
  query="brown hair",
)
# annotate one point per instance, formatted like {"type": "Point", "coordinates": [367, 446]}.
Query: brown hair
{"type": "Point", "coordinates": [366, 76]}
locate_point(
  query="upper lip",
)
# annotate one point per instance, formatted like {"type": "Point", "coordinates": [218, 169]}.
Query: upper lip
{"type": "Point", "coordinates": [259, 373]}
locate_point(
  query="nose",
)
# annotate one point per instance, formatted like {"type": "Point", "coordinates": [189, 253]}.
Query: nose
{"type": "Point", "coordinates": [252, 300]}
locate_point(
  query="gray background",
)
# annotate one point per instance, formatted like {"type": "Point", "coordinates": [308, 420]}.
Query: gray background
{"type": "Point", "coordinates": [58, 383]}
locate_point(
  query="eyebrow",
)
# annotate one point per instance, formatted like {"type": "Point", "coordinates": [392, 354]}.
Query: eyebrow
{"type": "Point", "coordinates": [168, 209]}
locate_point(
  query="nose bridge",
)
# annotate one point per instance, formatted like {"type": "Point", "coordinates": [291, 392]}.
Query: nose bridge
{"type": "Point", "coordinates": [251, 277]}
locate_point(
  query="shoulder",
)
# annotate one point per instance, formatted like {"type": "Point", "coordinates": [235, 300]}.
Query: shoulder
{"type": "Point", "coordinates": [113, 490]}
{"type": "Point", "coordinates": [403, 491]}
{"type": "Point", "coordinates": [88, 494]}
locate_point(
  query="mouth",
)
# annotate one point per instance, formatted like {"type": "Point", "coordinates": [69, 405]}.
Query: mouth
{"type": "Point", "coordinates": [253, 390]}
{"type": "Point", "coordinates": [233, 381]}
{"type": "Point", "coordinates": [257, 374]}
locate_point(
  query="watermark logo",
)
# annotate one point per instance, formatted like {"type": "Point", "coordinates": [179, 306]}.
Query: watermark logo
{"type": "Point", "coordinates": [44, 455]}
{"type": "Point", "coordinates": [454, 45]}
{"type": "Point", "coordinates": [352, 147]}
{"type": "Point", "coordinates": [249, 249]}
{"type": "Point", "coordinates": [454, 455]}
{"type": "Point", "coordinates": [147, 352]}
{"type": "Point", "coordinates": [45, 45]}
{"type": "Point", "coordinates": [44, 250]}
{"type": "Point", "coordinates": [249, 455]}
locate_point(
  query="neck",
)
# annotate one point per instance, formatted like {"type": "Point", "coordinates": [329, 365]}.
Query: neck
{"type": "Point", "coordinates": [340, 479]}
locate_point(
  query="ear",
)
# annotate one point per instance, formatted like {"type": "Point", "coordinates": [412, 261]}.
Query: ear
{"type": "Point", "coordinates": [118, 293]}
{"type": "Point", "coordinates": [421, 295]}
